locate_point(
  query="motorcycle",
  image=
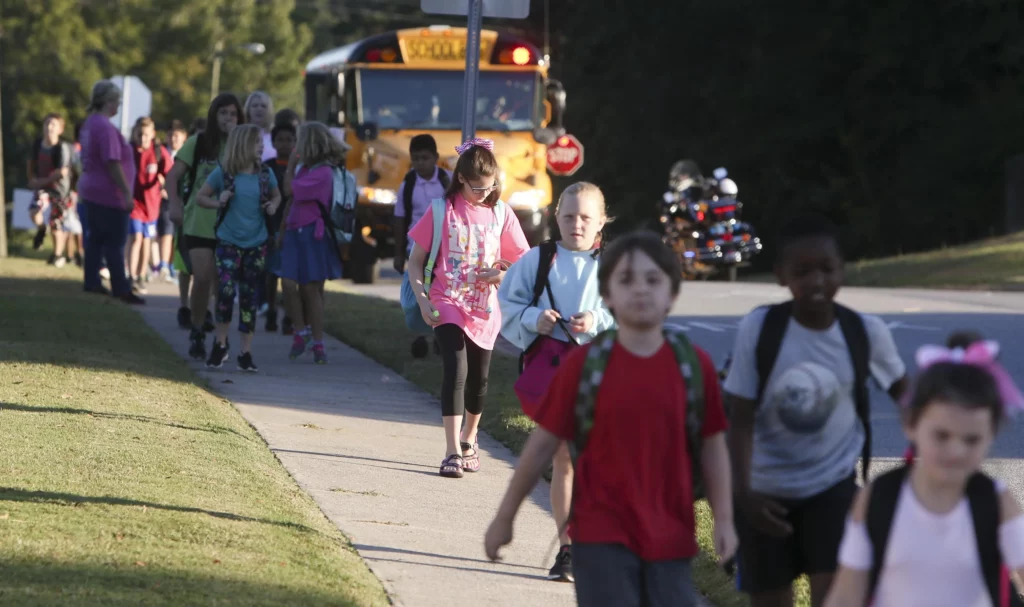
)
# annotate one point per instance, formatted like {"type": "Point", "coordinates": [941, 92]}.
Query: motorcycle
{"type": "Point", "coordinates": [701, 221]}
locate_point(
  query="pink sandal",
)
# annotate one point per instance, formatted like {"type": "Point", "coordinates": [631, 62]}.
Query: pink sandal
{"type": "Point", "coordinates": [452, 466]}
{"type": "Point", "coordinates": [471, 463]}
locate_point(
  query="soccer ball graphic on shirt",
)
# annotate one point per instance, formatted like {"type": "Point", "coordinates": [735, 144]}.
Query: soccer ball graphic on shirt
{"type": "Point", "coordinates": [804, 397]}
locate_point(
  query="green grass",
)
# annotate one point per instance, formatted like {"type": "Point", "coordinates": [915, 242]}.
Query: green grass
{"type": "Point", "coordinates": [376, 327]}
{"type": "Point", "coordinates": [123, 481]}
{"type": "Point", "coordinates": [996, 264]}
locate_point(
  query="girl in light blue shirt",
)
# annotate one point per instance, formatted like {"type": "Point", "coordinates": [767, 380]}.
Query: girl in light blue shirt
{"type": "Point", "coordinates": [576, 315]}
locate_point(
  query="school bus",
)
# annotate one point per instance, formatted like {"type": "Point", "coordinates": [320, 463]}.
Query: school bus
{"type": "Point", "coordinates": [382, 91]}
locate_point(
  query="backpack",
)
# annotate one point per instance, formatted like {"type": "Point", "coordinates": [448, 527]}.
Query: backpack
{"type": "Point", "coordinates": [984, 503]}
{"type": "Point", "coordinates": [229, 184]}
{"type": "Point", "coordinates": [340, 220]}
{"type": "Point", "coordinates": [437, 212]}
{"type": "Point", "coordinates": [189, 180]}
{"type": "Point", "coordinates": [769, 342]}
{"type": "Point", "coordinates": [409, 183]}
{"type": "Point", "coordinates": [690, 370]}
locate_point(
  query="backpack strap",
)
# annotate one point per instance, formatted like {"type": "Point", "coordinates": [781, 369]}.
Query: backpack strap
{"type": "Point", "coordinates": [500, 211]}
{"type": "Point", "coordinates": [885, 493]}
{"type": "Point", "coordinates": [229, 183]}
{"type": "Point", "coordinates": [437, 210]}
{"type": "Point", "coordinates": [693, 380]}
{"type": "Point", "coordinates": [547, 250]}
{"type": "Point", "coordinates": [769, 342]}
{"type": "Point", "coordinates": [190, 175]}
{"type": "Point", "coordinates": [855, 334]}
{"type": "Point", "coordinates": [985, 513]}
{"type": "Point", "coordinates": [442, 176]}
{"type": "Point", "coordinates": [408, 185]}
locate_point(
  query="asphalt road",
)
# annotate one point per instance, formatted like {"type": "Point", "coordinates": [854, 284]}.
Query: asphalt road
{"type": "Point", "coordinates": [710, 312]}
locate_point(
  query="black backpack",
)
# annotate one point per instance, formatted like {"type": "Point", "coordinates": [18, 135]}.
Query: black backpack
{"type": "Point", "coordinates": [769, 342]}
{"type": "Point", "coordinates": [410, 183]}
{"type": "Point", "coordinates": [984, 503]}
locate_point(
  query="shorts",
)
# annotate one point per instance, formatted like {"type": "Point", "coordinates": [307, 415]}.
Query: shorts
{"type": "Point", "coordinates": [197, 242]}
{"type": "Point", "coordinates": [610, 574]}
{"type": "Point", "coordinates": [767, 563]}
{"type": "Point", "coordinates": [146, 228]}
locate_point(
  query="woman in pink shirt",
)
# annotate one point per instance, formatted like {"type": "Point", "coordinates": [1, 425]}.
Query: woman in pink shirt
{"type": "Point", "coordinates": [480, 238]}
{"type": "Point", "coordinates": [108, 169]}
{"type": "Point", "coordinates": [309, 255]}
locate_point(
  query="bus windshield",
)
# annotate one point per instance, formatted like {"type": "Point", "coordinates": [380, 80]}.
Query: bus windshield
{"type": "Point", "coordinates": [432, 99]}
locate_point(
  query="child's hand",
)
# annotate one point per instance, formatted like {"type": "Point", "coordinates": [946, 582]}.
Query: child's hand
{"type": "Point", "coordinates": [499, 534]}
{"type": "Point", "coordinates": [270, 207]}
{"type": "Point", "coordinates": [582, 322]}
{"type": "Point", "coordinates": [726, 541]}
{"type": "Point", "coordinates": [225, 196]}
{"type": "Point", "coordinates": [546, 321]}
{"type": "Point", "coordinates": [765, 514]}
{"type": "Point", "coordinates": [491, 276]}
{"type": "Point", "coordinates": [429, 313]}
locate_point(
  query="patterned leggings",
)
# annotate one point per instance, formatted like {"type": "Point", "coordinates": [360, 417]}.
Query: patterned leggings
{"type": "Point", "coordinates": [239, 270]}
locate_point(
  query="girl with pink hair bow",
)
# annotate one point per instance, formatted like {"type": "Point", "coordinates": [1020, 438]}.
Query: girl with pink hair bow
{"type": "Point", "coordinates": [922, 533]}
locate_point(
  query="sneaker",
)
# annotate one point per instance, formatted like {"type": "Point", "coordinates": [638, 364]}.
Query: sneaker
{"type": "Point", "coordinates": [184, 318]}
{"type": "Point", "coordinates": [60, 262]}
{"type": "Point", "coordinates": [79, 260]}
{"type": "Point", "coordinates": [100, 290]}
{"type": "Point", "coordinates": [298, 346]}
{"type": "Point", "coordinates": [218, 355]}
{"type": "Point", "coordinates": [139, 286]}
{"type": "Point", "coordinates": [132, 299]}
{"type": "Point", "coordinates": [105, 273]}
{"type": "Point", "coordinates": [51, 260]}
{"type": "Point", "coordinates": [287, 328]}
{"type": "Point", "coordinates": [172, 275]}
{"type": "Point", "coordinates": [562, 569]}
{"type": "Point", "coordinates": [37, 241]}
{"type": "Point", "coordinates": [197, 347]}
{"type": "Point", "coordinates": [319, 356]}
{"type": "Point", "coordinates": [208, 325]}
{"type": "Point", "coordinates": [263, 309]}
{"type": "Point", "coordinates": [245, 363]}
{"type": "Point", "coordinates": [272, 321]}
{"type": "Point", "coordinates": [419, 347]}
{"type": "Point", "coordinates": [165, 274]}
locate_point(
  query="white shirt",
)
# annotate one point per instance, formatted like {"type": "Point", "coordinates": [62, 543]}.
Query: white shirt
{"type": "Point", "coordinates": [932, 559]}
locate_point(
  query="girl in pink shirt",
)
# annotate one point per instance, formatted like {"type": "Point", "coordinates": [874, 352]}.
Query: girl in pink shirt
{"type": "Point", "coordinates": [462, 302]}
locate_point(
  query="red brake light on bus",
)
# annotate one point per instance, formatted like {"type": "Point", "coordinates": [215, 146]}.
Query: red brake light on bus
{"type": "Point", "coordinates": [521, 55]}
{"type": "Point", "coordinates": [373, 54]}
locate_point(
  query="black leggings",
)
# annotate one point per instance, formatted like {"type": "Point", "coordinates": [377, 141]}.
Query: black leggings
{"type": "Point", "coordinates": [466, 365]}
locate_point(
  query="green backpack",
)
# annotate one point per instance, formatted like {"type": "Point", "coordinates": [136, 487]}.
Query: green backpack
{"type": "Point", "coordinates": [690, 369]}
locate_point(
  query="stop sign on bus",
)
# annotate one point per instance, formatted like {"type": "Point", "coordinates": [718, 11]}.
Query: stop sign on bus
{"type": "Point", "coordinates": [565, 155]}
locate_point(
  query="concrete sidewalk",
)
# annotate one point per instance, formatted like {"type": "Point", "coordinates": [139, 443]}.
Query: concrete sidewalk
{"type": "Point", "coordinates": [366, 445]}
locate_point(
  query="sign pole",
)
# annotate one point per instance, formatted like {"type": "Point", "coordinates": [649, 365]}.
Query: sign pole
{"type": "Point", "coordinates": [476, 20]}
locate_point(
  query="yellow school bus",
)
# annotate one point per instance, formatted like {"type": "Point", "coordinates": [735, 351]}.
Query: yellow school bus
{"type": "Point", "coordinates": [382, 91]}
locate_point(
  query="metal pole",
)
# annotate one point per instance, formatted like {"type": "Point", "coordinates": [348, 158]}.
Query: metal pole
{"type": "Point", "coordinates": [125, 104]}
{"type": "Point", "coordinates": [547, 34]}
{"type": "Point", "coordinates": [3, 197]}
{"type": "Point", "coordinates": [476, 19]}
{"type": "Point", "coordinates": [218, 58]}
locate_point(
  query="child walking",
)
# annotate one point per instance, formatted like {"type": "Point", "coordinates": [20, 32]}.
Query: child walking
{"type": "Point", "coordinates": [551, 303]}
{"type": "Point", "coordinates": [938, 531]}
{"type": "Point", "coordinates": [244, 193]}
{"type": "Point", "coordinates": [152, 163]}
{"type": "Point", "coordinates": [309, 255]}
{"type": "Point", "coordinates": [639, 459]}
{"type": "Point", "coordinates": [797, 388]}
{"type": "Point", "coordinates": [480, 238]}
{"type": "Point", "coordinates": [283, 136]}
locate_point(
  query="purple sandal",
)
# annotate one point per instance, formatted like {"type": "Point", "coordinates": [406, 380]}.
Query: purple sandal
{"type": "Point", "coordinates": [452, 466]}
{"type": "Point", "coordinates": [471, 463]}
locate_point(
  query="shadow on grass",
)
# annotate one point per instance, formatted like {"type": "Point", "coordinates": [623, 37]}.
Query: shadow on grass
{"type": "Point", "coordinates": [52, 321]}
{"type": "Point", "coordinates": [13, 494]}
{"type": "Point", "coordinates": [43, 582]}
{"type": "Point", "coordinates": [120, 416]}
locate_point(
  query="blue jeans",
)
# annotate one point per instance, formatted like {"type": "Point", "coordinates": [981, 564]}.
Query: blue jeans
{"type": "Point", "coordinates": [83, 213]}
{"type": "Point", "coordinates": [106, 230]}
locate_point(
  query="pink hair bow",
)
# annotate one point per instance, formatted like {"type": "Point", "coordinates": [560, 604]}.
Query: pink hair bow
{"type": "Point", "coordinates": [487, 144]}
{"type": "Point", "coordinates": [981, 354]}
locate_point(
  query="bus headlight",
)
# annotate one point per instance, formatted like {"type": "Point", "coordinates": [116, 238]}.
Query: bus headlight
{"type": "Point", "coordinates": [380, 195]}
{"type": "Point", "coordinates": [526, 200]}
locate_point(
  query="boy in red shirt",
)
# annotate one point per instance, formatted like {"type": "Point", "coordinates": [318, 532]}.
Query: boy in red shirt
{"type": "Point", "coordinates": [152, 163]}
{"type": "Point", "coordinates": [632, 526]}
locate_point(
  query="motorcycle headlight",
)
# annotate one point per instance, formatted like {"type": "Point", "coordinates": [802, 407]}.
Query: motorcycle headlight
{"type": "Point", "coordinates": [380, 195]}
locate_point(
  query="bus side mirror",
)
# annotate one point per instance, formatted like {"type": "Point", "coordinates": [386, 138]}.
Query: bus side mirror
{"type": "Point", "coordinates": [367, 131]}
{"type": "Point", "coordinates": [341, 86]}
{"type": "Point", "coordinates": [545, 136]}
{"type": "Point", "coordinates": [555, 94]}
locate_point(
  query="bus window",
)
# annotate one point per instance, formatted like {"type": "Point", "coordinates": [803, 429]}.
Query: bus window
{"type": "Point", "coordinates": [318, 97]}
{"type": "Point", "coordinates": [403, 99]}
